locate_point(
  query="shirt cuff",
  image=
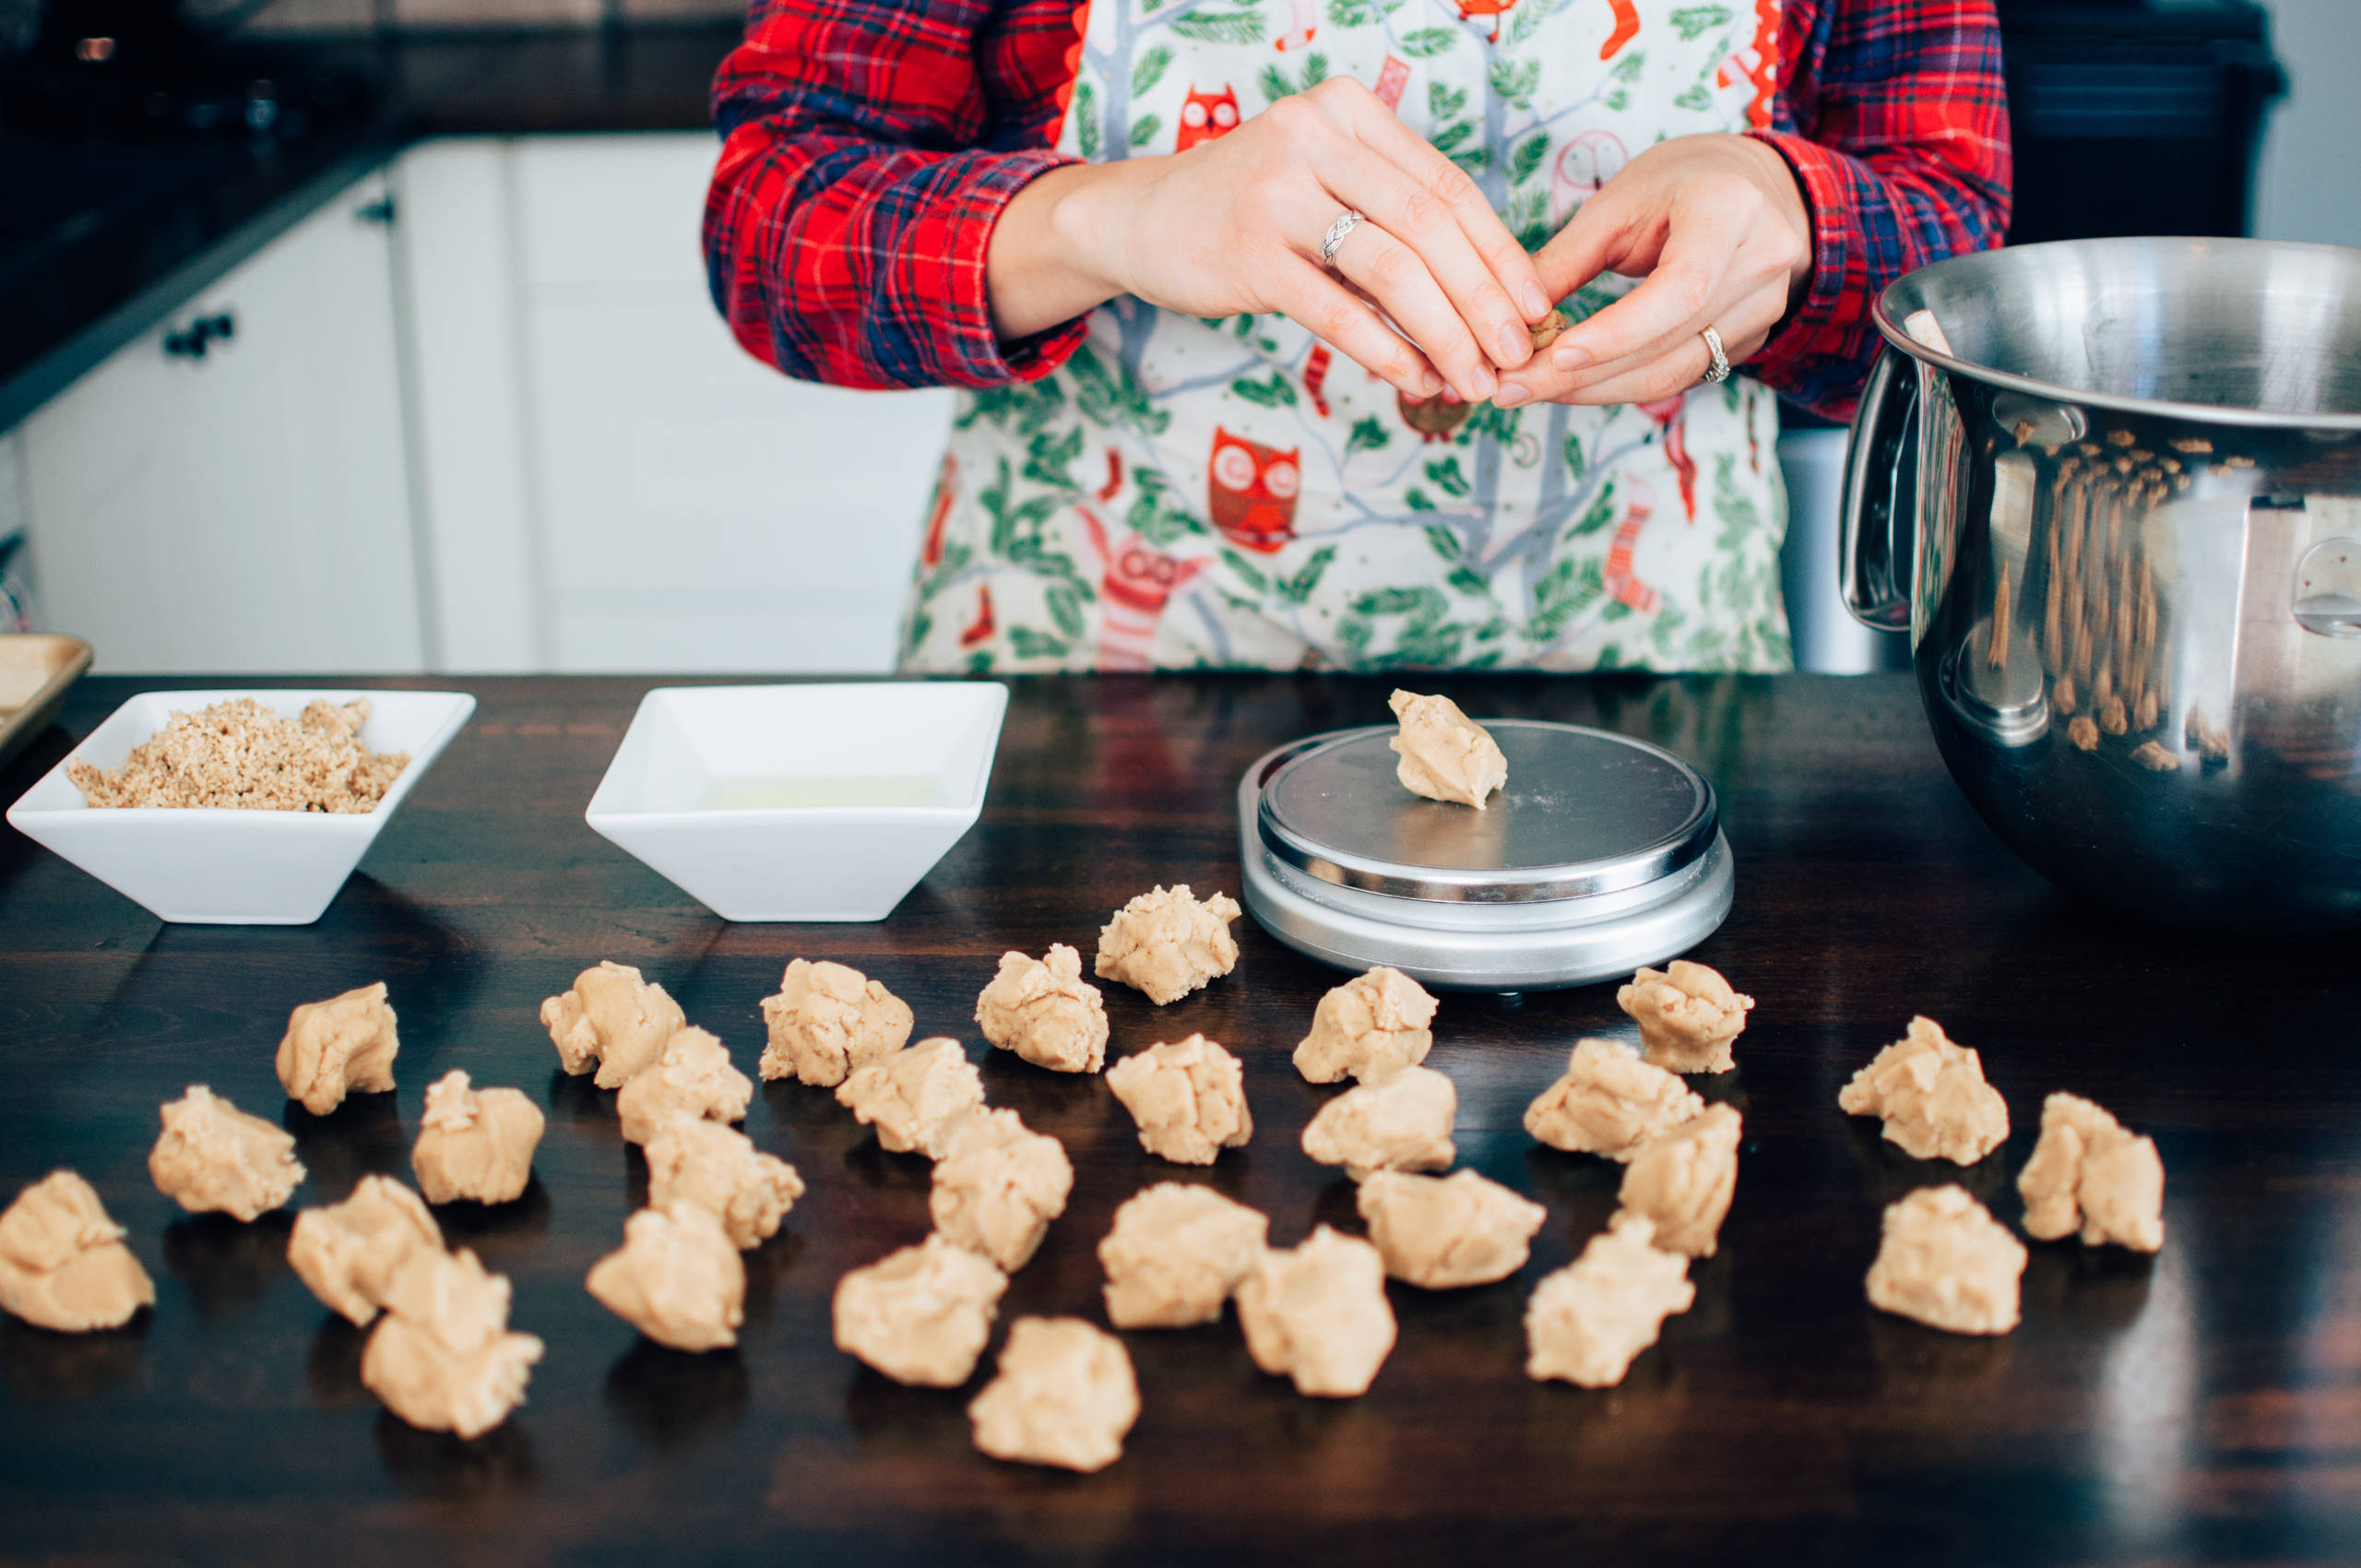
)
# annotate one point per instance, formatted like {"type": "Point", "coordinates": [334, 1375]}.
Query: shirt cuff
{"type": "Point", "coordinates": [945, 280]}
{"type": "Point", "coordinates": [1824, 323]}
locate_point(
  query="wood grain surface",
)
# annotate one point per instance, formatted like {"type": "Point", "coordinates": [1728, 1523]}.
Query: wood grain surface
{"type": "Point", "coordinates": [2203, 1403]}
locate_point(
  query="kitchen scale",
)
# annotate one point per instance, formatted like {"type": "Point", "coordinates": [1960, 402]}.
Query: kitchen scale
{"type": "Point", "coordinates": [1601, 854]}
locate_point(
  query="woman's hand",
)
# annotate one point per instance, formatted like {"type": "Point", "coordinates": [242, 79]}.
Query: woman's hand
{"type": "Point", "coordinates": [1234, 225]}
{"type": "Point", "coordinates": [1717, 231]}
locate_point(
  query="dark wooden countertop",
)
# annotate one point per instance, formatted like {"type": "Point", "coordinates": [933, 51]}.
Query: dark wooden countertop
{"type": "Point", "coordinates": [2203, 1403]}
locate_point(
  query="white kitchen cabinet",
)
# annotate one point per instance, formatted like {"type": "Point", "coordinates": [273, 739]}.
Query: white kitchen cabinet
{"type": "Point", "coordinates": [247, 511]}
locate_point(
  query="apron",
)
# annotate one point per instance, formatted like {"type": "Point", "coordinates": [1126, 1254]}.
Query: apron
{"type": "Point", "coordinates": [1185, 494]}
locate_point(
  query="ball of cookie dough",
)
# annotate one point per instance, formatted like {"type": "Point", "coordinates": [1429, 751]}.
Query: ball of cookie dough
{"type": "Point", "coordinates": [63, 1263]}
{"type": "Point", "coordinates": [1609, 1102]}
{"type": "Point", "coordinates": [349, 1253]}
{"type": "Point", "coordinates": [913, 1095]}
{"type": "Point", "coordinates": [691, 1077]}
{"type": "Point", "coordinates": [475, 1143]}
{"type": "Point", "coordinates": [1043, 1010]}
{"type": "Point", "coordinates": [1589, 1321]}
{"type": "Point", "coordinates": [1189, 1098]}
{"type": "Point", "coordinates": [214, 1157]}
{"type": "Point", "coordinates": [1932, 1097]}
{"type": "Point", "coordinates": [1688, 1017]}
{"type": "Point", "coordinates": [345, 1045]}
{"type": "Point", "coordinates": [1166, 944]}
{"type": "Point", "coordinates": [720, 1171]}
{"type": "Point", "coordinates": [1064, 1396]}
{"type": "Point", "coordinates": [1445, 754]}
{"type": "Point", "coordinates": [1370, 1027]}
{"type": "Point", "coordinates": [1317, 1313]}
{"type": "Point", "coordinates": [612, 1021]}
{"type": "Point", "coordinates": [2089, 1173]}
{"type": "Point", "coordinates": [1176, 1253]}
{"type": "Point", "coordinates": [676, 1278]}
{"type": "Point", "coordinates": [1442, 1232]}
{"type": "Point", "coordinates": [1397, 1123]}
{"type": "Point", "coordinates": [922, 1316]}
{"type": "Point", "coordinates": [829, 1020]}
{"type": "Point", "coordinates": [1682, 1180]}
{"type": "Point", "coordinates": [998, 1185]}
{"type": "Point", "coordinates": [444, 1359]}
{"type": "Point", "coordinates": [1948, 1262]}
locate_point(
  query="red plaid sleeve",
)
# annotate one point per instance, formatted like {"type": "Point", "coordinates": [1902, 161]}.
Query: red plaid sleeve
{"type": "Point", "coordinates": [868, 149]}
{"type": "Point", "coordinates": [1892, 116]}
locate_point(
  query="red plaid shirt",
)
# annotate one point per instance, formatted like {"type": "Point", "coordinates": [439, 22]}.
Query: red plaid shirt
{"type": "Point", "coordinates": [869, 147]}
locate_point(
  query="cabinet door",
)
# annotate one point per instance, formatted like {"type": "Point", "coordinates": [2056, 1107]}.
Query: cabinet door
{"type": "Point", "coordinates": [247, 511]}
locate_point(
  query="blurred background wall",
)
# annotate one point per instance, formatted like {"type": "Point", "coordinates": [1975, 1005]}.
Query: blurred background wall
{"type": "Point", "coordinates": [2309, 185]}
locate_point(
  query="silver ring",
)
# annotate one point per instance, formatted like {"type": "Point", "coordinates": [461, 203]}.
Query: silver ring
{"type": "Point", "coordinates": [1720, 371]}
{"type": "Point", "coordinates": [1346, 221]}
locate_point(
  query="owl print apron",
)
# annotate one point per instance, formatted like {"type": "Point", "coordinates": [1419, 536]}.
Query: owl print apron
{"type": "Point", "coordinates": [1190, 493]}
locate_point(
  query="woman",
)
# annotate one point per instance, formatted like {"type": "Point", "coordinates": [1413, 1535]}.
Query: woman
{"type": "Point", "coordinates": [1165, 246]}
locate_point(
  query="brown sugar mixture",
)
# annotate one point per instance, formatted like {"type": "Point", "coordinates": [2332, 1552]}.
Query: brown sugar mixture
{"type": "Point", "coordinates": [241, 754]}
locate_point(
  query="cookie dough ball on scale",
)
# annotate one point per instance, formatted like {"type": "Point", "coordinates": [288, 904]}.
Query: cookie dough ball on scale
{"type": "Point", "coordinates": [922, 1316]}
{"type": "Point", "coordinates": [215, 1156]}
{"type": "Point", "coordinates": [444, 1359]}
{"type": "Point", "coordinates": [63, 1263]}
{"type": "Point", "coordinates": [1609, 1102]}
{"type": "Point", "coordinates": [1317, 1313]}
{"type": "Point", "coordinates": [613, 1022]}
{"type": "Point", "coordinates": [1043, 1010]}
{"type": "Point", "coordinates": [1064, 1396]}
{"type": "Point", "coordinates": [829, 1020]}
{"type": "Point", "coordinates": [1398, 1123]}
{"type": "Point", "coordinates": [998, 1185]}
{"type": "Point", "coordinates": [676, 1278]}
{"type": "Point", "coordinates": [349, 1253]}
{"type": "Point", "coordinates": [1589, 1321]}
{"type": "Point", "coordinates": [1445, 754]}
{"type": "Point", "coordinates": [1688, 1017]}
{"type": "Point", "coordinates": [1442, 1232]}
{"type": "Point", "coordinates": [720, 1171]}
{"type": "Point", "coordinates": [475, 1144]}
{"type": "Point", "coordinates": [2088, 1172]}
{"type": "Point", "coordinates": [1189, 1098]}
{"type": "Point", "coordinates": [1176, 1253]}
{"type": "Point", "coordinates": [345, 1045]}
{"type": "Point", "coordinates": [1166, 945]}
{"type": "Point", "coordinates": [1371, 1027]}
{"type": "Point", "coordinates": [693, 1077]}
{"type": "Point", "coordinates": [914, 1096]}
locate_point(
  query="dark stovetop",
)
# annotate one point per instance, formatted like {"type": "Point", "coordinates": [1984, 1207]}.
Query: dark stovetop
{"type": "Point", "coordinates": [100, 236]}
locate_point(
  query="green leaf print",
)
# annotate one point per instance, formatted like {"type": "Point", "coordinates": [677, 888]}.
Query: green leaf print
{"type": "Point", "coordinates": [1527, 157]}
{"type": "Point", "coordinates": [1618, 101]}
{"type": "Point", "coordinates": [1369, 435]}
{"type": "Point", "coordinates": [1275, 84]}
{"type": "Point", "coordinates": [1050, 460]}
{"type": "Point", "coordinates": [1628, 69]}
{"type": "Point", "coordinates": [1514, 81]}
{"type": "Point", "coordinates": [1693, 22]}
{"type": "Point", "coordinates": [1601, 513]}
{"type": "Point", "coordinates": [1109, 397]}
{"type": "Point", "coordinates": [1444, 542]}
{"type": "Point", "coordinates": [1416, 499]}
{"type": "Point", "coordinates": [1696, 97]}
{"type": "Point", "coordinates": [1246, 572]}
{"type": "Point", "coordinates": [1274, 393]}
{"type": "Point", "coordinates": [1027, 643]}
{"type": "Point", "coordinates": [1426, 599]}
{"type": "Point", "coordinates": [1446, 477]}
{"type": "Point", "coordinates": [1468, 581]}
{"type": "Point", "coordinates": [1143, 130]}
{"type": "Point", "coordinates": [1451, 136]}
{"type": "Point", "coordinates": [1427, 43]}
{"type": "Point", "coordinates": [1025, 407]}
{"type": "Point", "coordinates": [1490, 419]}
{"type": "Point", "coordinates": [1086, 121]}
{"type": "Point", "coordinates": [1150, 69]}
{"type": "Point", "coordinates": [1353, 635]}
{"type": "Point", "coordinates": [1220, 27]}
{"type": "Point", "coordinates": [1473, 158]}
{"type": "Point", "coordinates": [1570, 587]}
{"type": "Point", "coordinates": [1061, 600]}
{"type": "Point", "coordinates": [1361, 12]}
{"type": "Point", "coordinates": [1577, 460]}
{"type": "Point", "coordinates": [1444, 102]}
{"type": "Point", "coordinates": [1154, 516]}
{"type": "Point", "coordinates": [1528, 19]}
{"type": "Point", "coordinates": [1428, 645]}
{"type": "Point", "coordinates": [1298, 589]}
{"type": "Point", "coordinates": [1738, 515]}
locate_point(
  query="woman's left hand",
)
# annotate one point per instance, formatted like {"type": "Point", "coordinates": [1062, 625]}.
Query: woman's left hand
{"type": "Point", "coordinates": [1717, 232]}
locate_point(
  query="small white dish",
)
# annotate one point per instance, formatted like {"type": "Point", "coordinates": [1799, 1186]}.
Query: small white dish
{"type": "Point", "coordinates": [825, 801]}
{"type": "Point", "coordinates": [218, 866]}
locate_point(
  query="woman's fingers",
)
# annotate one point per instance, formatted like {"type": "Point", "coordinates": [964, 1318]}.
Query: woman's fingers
{"type": "Point", "coordinates": [1396, 277]}
{"type": "Point", "coordinates": [1681, 364]}
{"type": "Point", "coordinates": [1313, 300]}
{"type": "Point", "coordinates": [1674, 301]}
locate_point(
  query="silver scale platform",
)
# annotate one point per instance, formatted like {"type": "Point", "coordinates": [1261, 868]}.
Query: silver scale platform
{"type": "Point", "coordinates": [1602, 853]}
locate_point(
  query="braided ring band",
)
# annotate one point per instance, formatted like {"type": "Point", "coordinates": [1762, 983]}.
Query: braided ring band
{"type": "Point", "coordinates": [1721, 367]}
{"type": "Point", "coordinates": [1346, 221]}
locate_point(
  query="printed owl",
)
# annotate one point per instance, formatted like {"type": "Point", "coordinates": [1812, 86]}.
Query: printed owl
{"type": "Point", "coordinates": [1251, 491]}
{"type": "Point", "coordinates": [1204, 115]}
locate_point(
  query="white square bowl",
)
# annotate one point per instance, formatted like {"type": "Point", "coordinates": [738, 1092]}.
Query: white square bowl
{"type": "Point", "coordinates": [801, 803]}
{"type": "Point", "coordinates": [220, 866]}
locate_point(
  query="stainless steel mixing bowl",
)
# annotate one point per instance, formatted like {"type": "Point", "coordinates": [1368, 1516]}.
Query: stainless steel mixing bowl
{"type": "Point", "coordinates": [2112, 488]}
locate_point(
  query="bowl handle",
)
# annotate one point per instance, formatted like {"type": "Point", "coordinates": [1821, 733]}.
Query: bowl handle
{"type": "Point", "coordinates": [1880, 481]}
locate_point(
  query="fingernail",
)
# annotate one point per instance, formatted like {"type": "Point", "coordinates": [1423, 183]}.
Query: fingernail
{"type": "Point", "coordinates": [1535, 303]}
{"type": "Point", "coordinates": [1569, 356]}
{"type": "Point", "coordinates": [1430, 383]}
{"type": "Point", "coordinates": [1509, 396]}
{"type": "Point", "coordinates": [1451, 394]}
{"type": "Point", "coordinates": [1516, 344]}
{"type": "Point", "coordinates": [1481, 384]}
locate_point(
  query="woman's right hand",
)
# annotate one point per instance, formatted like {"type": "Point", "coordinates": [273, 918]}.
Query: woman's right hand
{"type": "Point", "coordinates": [1234, 225]}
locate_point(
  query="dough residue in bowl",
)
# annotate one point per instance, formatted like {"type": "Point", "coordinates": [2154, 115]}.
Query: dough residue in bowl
{"type": "Point", "coordinates": [241, 754]}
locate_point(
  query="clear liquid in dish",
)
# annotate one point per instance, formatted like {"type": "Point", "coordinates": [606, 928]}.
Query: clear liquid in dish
{"type": "Point", "coordinates": [819, 793]}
